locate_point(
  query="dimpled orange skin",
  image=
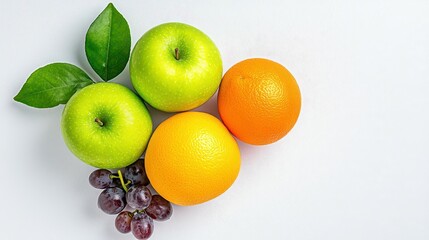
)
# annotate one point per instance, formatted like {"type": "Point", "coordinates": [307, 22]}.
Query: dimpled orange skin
{"type": "Point", "coordinates": [192, 158]}
{"type": "Point", "coordinates": [259, 101]}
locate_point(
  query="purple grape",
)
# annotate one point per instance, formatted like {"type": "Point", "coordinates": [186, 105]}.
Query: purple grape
{"type": "Point", "coordinates": [112, 200]}
{"type": "Point", "coordinates": [159, 208]}
{"type": "Point", "coordinates": [100, 178]}
{"type": "Point", "coordinates": [136, 173]}
{"type": "Point", "coordinates": [123, 222]}
{"type": "Point", "coordinates": [138, 197]}
{"type": "Point", "coordinates": [142, 226]}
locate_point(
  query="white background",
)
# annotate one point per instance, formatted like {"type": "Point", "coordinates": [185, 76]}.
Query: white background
{"type": "Point", "coordinates": [356, 165]}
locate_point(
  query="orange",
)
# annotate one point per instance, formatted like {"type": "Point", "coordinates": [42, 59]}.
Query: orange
{"type": "Point", "coordinates": [259, 101]}
{"type": "Point", "coordinates": [192, 158]}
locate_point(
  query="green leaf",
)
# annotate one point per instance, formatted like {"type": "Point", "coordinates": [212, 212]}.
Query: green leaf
{"type": "Point", "coordinates": [52, 85]}
{"type": "Point", "coordinates": [108, 43]}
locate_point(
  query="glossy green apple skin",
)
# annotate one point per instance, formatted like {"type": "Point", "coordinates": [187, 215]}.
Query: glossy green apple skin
{"type": "Point", "coordinates": [172, 85]}
{"type": "Point", "coordinates": [127, 125]}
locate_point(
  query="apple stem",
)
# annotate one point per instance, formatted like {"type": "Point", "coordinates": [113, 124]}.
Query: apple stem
{"type": "Point", "coordinates": [124, 185]}
{"type": "Point", "coordinates": [97, 120]}
{"type": "Point", "coordinates": [176, 52]}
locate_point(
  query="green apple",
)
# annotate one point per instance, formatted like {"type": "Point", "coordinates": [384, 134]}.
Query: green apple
{"type": "Point", "coordinates": [106, 125]}
{"type": "Point", "coordinates": [175, 67]}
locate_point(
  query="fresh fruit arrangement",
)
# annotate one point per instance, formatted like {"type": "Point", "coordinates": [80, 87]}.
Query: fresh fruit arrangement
{"type": "Point", "coordinates": [190, 158]}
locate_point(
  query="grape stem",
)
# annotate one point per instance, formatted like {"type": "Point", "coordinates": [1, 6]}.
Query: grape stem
{"type": "Point", "coordinates": [138, 211]}
{"type": "Point", "coordinates": [124, 185]}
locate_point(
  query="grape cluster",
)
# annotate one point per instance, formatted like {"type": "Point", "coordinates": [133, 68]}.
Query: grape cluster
{"type": "Point", "coordinates": [130, 189]}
